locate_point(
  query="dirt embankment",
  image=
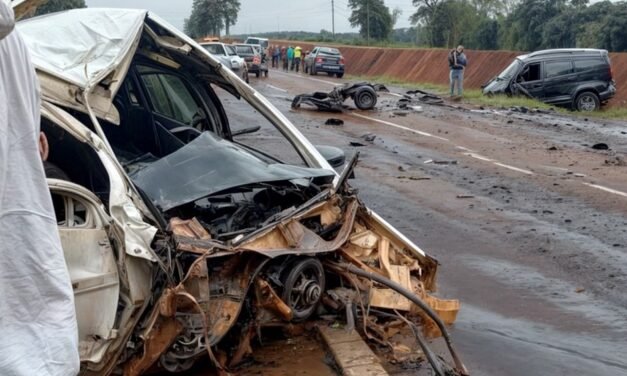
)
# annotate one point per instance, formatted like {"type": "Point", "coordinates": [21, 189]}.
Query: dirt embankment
{"type": "Point", "coordinates": [430, 65]}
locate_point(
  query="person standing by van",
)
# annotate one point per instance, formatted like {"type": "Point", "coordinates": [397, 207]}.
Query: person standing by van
{"type": "Point", "coordinates": [290, 57]}
{"type": "Point", "coordinates": [457, 62]}
{"type": "Point", "coordinates": [39, 329]}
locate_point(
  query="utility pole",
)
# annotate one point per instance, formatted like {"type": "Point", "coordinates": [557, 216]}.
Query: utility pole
{"type": "Point", "coordinates": [333, 17]}
{"type": "Point", "coordinates": [368, 22]}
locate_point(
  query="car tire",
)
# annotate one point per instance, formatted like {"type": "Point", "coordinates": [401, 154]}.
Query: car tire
{"type": "Point", "coordinates": [257, 74]}
{"type": "Point", "coordinates": [303, 269]}
{"type": "Point", "coordinates": [587, 101]}
{"type": "Point", "coordinates": [312, 71]}
{"type": "Point", "coordinates": [330, 74]}
{"type": "Point", "coordinates": [339, 75]}
{"type": "Point", "coordinates": [365, 98]}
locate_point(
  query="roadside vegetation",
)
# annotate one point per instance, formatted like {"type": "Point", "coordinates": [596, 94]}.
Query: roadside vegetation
{"type": "Point", "coordinates": [476, 97]}
{"type": "Point", "coordinates": [515, 25]}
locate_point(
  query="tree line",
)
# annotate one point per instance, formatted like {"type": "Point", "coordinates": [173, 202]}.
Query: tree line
{"type": "Point", "coordinates": [524, 25]}
{"type": "Point", "coordinates": [210, 17]}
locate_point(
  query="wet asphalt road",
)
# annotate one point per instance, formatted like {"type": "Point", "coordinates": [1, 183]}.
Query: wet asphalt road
{"type": "Point", "coordinates": [528, 221]}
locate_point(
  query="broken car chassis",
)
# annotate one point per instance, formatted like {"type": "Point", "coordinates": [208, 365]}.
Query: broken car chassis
{"type": "Point", "coordinates": [363, 94]}
{"type": "Point", "coordinates": [285, 272]}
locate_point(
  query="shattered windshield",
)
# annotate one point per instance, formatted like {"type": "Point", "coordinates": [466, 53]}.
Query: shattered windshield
{"type": "Point", "coordinates": [209, 165]}
{"type": "Point", "coordinates": [511, 70]}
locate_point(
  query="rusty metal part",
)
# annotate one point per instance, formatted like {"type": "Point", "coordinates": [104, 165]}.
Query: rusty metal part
{"type": "Point", "coordinates": [189, 228]}
{"type": "Point", "coordinates": [244, 347]}
{"type": "Point", "coordinates": [268, 299]}
{"type": "Point", "coordinates": [411, 296]}
{"type": "Point", "coordinates": [158, 337]}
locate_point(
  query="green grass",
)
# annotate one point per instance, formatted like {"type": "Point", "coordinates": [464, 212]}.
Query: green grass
{"type": "Point", "coordinates": [476, 97]}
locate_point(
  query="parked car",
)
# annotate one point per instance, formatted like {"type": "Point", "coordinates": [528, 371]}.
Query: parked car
{"type": "Point", "coordinates": [576, 78]}
{"type": "Point", "coordinates": [325, 59]}
{"type": "Point", "coordinates": [228, 57]}
{"type": "Point", "coordinates": [181, 240]}
{"type": "Point", "coordinates": [263, 42]}
{"type": "Point", "coordinates": [254, 59]}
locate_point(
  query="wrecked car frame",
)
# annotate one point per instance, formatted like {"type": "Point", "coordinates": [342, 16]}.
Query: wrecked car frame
{"type": "Point", "coordinates": [162, 280]}
{"type": "Point", "coordinates": [363, 94]}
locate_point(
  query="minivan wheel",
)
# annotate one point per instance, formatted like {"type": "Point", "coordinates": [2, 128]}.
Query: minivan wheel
{"type": "Point", "coordinates": [587, 101]}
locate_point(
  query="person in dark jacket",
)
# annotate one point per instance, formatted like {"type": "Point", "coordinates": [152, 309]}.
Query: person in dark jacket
{"type": "Point", "coordinates": [457, 64]}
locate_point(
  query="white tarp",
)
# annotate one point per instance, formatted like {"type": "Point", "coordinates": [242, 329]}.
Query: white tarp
{"type": "Point", "coordinates": [82, 46]}
{"type": "Point", "coordinates": [38, 327]}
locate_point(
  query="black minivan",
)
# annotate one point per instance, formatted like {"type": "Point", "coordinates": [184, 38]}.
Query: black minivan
{"type": "Point", "coordinates": [576, 78]}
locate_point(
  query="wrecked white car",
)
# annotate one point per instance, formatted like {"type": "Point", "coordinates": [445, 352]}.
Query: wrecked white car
{"type": "Point", "coordinates": [181, 241]}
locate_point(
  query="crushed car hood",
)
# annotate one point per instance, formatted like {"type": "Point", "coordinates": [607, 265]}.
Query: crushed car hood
{"type": "Point", "coordinates": [210, 165]}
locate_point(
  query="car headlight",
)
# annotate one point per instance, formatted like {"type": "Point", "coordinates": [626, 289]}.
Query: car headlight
{"type": "Point", "coordinates": [235, 63]}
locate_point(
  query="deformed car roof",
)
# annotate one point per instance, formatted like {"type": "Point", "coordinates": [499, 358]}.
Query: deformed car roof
{"type": "Point", "coordinates": [84, 52]}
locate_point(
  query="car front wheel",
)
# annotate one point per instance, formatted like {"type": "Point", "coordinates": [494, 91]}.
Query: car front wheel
{"type": "Point", "coordinates": [587, 101]}
{"type": "Point", "coordinates": [339, 75]}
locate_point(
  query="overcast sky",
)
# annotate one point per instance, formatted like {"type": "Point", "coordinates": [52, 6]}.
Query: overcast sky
{"type": "Point", "coordinates": [264, 15]}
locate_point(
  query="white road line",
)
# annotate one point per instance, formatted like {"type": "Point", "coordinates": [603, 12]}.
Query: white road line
{"type": "Point", "coordinates": [606, 189]}
{"type": "Point", "coordinates": [276, 88]}
{"type": "Point", "coordinates": [464, 149]}
{"type": "Point", "coordinates": [514, 168]}
{"type": "Point", "coordinates": [477, 156]}
{"type": "Point", "coordinates": [399, 126]}
{"type": "Point", "coordinates": [486, 159]}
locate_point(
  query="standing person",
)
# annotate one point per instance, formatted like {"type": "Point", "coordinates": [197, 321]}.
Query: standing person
{"type": "Point", "coordinates": [276, 54]}
{"type": "Point", "coordinates": [37, 315]}
{"type": "Point", "coordinates": [284, 58]}
{"type": "Point", "coordinates": [303, 59]}
{"type": "Point", "coordinates": [457, 64]}
{"type": "Point", "coordinates": [290, 57]}
{"type": "Point", "coordinates": [298, 53]}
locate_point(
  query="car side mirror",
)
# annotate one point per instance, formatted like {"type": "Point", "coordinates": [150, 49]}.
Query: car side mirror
{"type": "Point", "coordinates": [248, 130]}
{"type": "Point", "coordinates": [335, 156]}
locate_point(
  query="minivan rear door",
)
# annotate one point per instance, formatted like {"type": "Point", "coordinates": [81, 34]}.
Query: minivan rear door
{"type": "Point", "coordinates": [560, 80]}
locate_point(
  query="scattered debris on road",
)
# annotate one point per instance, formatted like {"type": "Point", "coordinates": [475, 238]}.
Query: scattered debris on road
{"type": "Point", "coordinates": [363, 94]}
{"type": "Point", "coordinates": [465, 196]}
{"type": "Point", "coordinates": [356, 144]}
{"type": "Point", "coordinates": [370, 137]}
{"type": "Point", "coordinates": [440, 162]}
{"type": "Point", "coordinates": [601, 146]}
{"type": "Point", "coordinates": [334, 121]}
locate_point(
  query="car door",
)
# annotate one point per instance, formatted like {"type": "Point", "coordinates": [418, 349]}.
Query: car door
{"type": "Point", "coordinates": [310, 57]}
{"type": "Point", "coordinates": [90, 259]}
{"type": "Point", "coordinates": [559, 80]}
{"type": "Point", "coordinates": [531, 81]}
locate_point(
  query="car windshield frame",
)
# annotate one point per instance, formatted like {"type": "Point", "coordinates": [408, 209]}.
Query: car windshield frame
{"type": "Point", "coordinates": [207, 47]}
{"type": "Point", "coordinates": [230, 50]}
{"type": "Point", "coordinates": [511, 70]}
{"type": "Point", "coordinates": [250, 50]}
